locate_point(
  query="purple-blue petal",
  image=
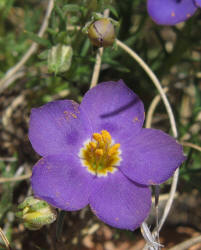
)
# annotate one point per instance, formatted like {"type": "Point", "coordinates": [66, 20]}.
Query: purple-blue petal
{"type": "Point", "coordinates": [170, 12]}
{"type": "Point", "coordinates": [119, 202]}
{"type": "Point", "coordinates": [197, 3]}
{"type": "Point", "coordinates": [62, 182]}
{"type": "Point", "coordinates": [58, 127]}
{"type": "Point", "coordinates": [114, 107]}
{"type": "Point", "coordinates": [151, 157]}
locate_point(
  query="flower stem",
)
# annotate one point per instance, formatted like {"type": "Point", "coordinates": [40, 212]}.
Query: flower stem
{"type": "Point", "coordinates": [157, 84]}
{"type": "Point", "coordinates": [97, 66]}
{"type": "Point", "coordinates": [152, 108]}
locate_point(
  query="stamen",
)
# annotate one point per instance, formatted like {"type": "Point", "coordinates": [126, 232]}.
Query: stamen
{"type": "Point", "coordinates": [99, 152]}
{"type": "Point", "coordinates": [93, 145]}
{"type": "Point", "coordinates": [97, 137]}
{"type": "Point", "coordinates": [106, 136]}
{"type": "Point", "coordinates": [101, 155]}
{"type": "Point", "coordinates": [113, 149]}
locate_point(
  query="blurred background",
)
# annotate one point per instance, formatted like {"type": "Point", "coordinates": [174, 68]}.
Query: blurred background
{"type": "Point", "coordinates": [172, 52]}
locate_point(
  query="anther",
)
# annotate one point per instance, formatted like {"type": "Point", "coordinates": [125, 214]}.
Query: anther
{"type": "Point", "coordinates": [99, 152]}
{"type": "Point", "coordinates": [106, 136]}
{"type": "Point", "coordinates": [101, 155]}
{"type": "Point", "coordinates": [93, 145]}
{"type": "Point", "coordinates": [113, 149]}
{"type": "Point", "coordinates": [97, 137]}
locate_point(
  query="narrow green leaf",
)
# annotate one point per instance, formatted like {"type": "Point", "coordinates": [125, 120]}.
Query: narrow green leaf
{"type": "Point", "coordinates": [113, 11]}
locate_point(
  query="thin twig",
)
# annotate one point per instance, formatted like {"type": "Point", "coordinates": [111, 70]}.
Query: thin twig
{"type": "Point", "coordinates": [156, 204]}
{"type": "Point", "coordinates": [191, 145]}
{"type": "Point", "coordinates": [5, 240]}
{"type": "Point", "coordinates": [29, 52]}
{"type": "Point", "coordinates": [152, 244]}
{"type": "Point", "coordinates": [152, 108]}
{"type": "Point", "coordinates": [187, 244]}
{"type": "Point", "coordinates": [12, 79]}
{"type": "Point", "coordinates": [17, 178]}
{"type": "Point", "coordinates": [172, 123]}
{"type": "Point", "coordinates": [169, 202]}
{"type": "Point", "coordinates": [12, 107]}
{"type": "Point", "coordinates": [97, 66]}
{"type": "Point", "coordinates": [8, 159]}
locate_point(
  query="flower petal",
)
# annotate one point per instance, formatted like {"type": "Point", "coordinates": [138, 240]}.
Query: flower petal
{"type": "Point", "coordinates": [61, 181]}
{"type": "Point", "coordinates": [114, 107]}
{"type": "Point", "coordinates": [170, 12]}
{"type": "Point", "coordinates": [58, 127]}
{"type": "Point", "coordinates": [197, 3]}
{"type": "Point", "coordinates": [119, 202]}
{"type": "Point", "coordinates": [151, 157]}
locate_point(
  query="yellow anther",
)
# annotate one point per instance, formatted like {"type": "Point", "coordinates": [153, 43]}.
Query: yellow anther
{"type": "Point", "coordinates": [93, 144]}
{"type": "Point", "coordinates": [99, 152]}
{"type": "Point", "coordinates": [106, 136]}
{"type": "Point", "coordinates": [113, 149]}
{"type": "Point", "coordinates": [101, 155]}
{"type": "Point", "coordinates": [97, 137]}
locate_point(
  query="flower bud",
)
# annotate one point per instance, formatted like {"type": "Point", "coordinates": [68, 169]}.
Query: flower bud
{"type": "Point", "coordinates": [59, 58]}
{"type": "Point", "coordinates": [101, 32]}
{"type": "Point", "coordinates": [35, 213]}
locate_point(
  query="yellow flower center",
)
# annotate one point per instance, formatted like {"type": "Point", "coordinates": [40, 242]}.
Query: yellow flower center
{"type": "Point", "coordinates": [100, 155]}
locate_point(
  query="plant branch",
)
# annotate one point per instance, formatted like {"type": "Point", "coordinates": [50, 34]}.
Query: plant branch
{"type": "Point", "coordinates": [187, 243]}
{"type": "Point", "coordinates": [17, 178]}
{"type": "Point", "coordinates": [152, 108]}
{"type": "Point", "coordinates": [97, 66]}
{"type": "Point", "coordinates": [191, 145]}
{"type": "Point", "coordinates": [5, 240]}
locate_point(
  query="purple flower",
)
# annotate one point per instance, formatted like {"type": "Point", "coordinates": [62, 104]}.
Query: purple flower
{"type": "Point", "coordinates": [97, 153]}
{"type": "Point", "coordinates": [170, 12]}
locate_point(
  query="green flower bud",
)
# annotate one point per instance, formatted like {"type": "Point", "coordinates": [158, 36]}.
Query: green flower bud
{"type": "Point", "coordinates": [102, 33]}
{"type": "Point", "coordinates": [35, 213]}
{"type": "Point", "coordinates": [59, 58]}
